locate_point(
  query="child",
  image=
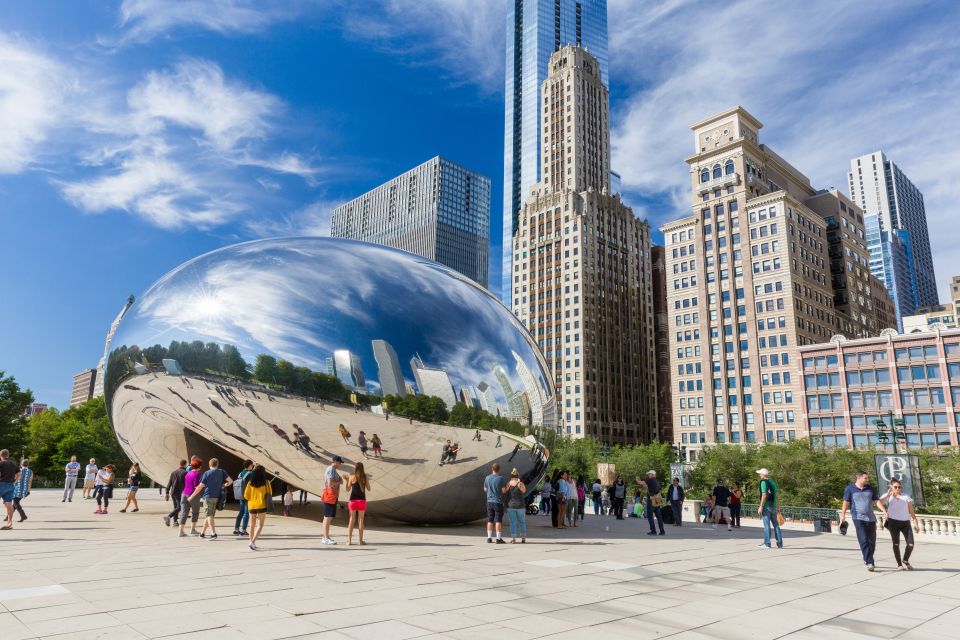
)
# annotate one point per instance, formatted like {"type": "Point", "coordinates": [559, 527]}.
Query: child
{"type": "Point", "coordinates": [288, 501]}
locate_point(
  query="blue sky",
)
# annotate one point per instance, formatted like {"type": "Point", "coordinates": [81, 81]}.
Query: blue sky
{"type": "Point", "coordinates": [135, 135]}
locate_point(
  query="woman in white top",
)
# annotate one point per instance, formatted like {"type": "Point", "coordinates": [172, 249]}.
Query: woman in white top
{"type": "Point", "coordinates": [898, 516]}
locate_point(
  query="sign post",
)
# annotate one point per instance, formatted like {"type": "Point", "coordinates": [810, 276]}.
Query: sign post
{"type": "Point", "coordinates": [902, 467]}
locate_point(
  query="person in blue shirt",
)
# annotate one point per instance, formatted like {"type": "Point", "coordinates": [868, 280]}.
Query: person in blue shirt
{"type": "Point", "coordinates": [493, 487]}
{"type": "Point", "coordinates": [212, 485]}
{"type": "Point", "coordinates": [24, 485]}
{"type": "Point", "coordinates": [859, 497]}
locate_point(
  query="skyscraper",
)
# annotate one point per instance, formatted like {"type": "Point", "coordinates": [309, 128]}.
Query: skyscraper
{"type": "Point", "coordinates": [582, 281]}
{"type": "Point", "coordinates": [535, 29]}
{"type": "Point", "coordinates": [880, 188]}
{"type": "Point", "coordinates": [891, 260]}
{"type": "Point", "coordinates": [514, 403]}
{"type": "Point", "coordinates": [348, 369]}
{"type": "Point", "coordinates": [433, 382]}
{"type": "Point", "coordinates": [98, 378]}
{"type": "Point", "coordinates": [388, 368]}
{"type": "Point", "coordinates": [488, 401]}
{"type": "Point", "coordinates": [438, 210]}
{"type": "Point", "coordinates": [83, 386]}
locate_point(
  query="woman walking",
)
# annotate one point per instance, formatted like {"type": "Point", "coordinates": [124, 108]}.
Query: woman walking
{"type": "Point", "coordinates": [190, 506]}
{"type": "Point", "coordinates": [243, 513]}
{"type": "Point", "coordinates": [103, 490]}
{"type": "Point", "coordinates": [258, 496]}
{"type": "Point", "coordinates": [572, 500]}
{"type": "Point", "coordinates": [22, 490]}
{"type": "Point", "coordinates": [359, 484]}
{"type": "Point", "coordinates": [516, 509]}
{"type": "Point", "coordinates": [133, 485]}
{"type": "Point", "coordinates": [560, 495]}
{"type": "Point", "coordinates": [736, 497]}
{"type": "Point", "coordinates": [377, 445]}
{"type": "Point", "coordinates": [898, 517]}
{"type": "Point", "coordinates": [362, 443]}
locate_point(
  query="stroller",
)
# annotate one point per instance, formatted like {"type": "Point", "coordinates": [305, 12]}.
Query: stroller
{"type": "Point", "coordinates": [533, 503]}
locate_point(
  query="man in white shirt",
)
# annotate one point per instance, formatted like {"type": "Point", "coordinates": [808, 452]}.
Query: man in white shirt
{"type": "Point", "coordinates": [90, 479]}
{"type": "Point", "coordinates": [70, 482]}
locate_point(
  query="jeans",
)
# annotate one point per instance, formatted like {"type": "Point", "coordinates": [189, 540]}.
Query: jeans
{"type": "Point", "coordinates": [897, 527]}
{"type": "Point", "coordinates": [597, 502]}
{"type": "Point", "coordinates": [769, 517]}
{"type": "Point", "coordinates": [69, 484]}
{"type": "Point", "coordinates": [18, 508]}
{"type": "Point", "coordinates": [545, 501]}
{"type": "Point", "coordinates": [867, 537]}
{"type": "Point", "coordinates": [735, 514]}
{"type": "Point", "coordinates": [651, 512]}
{"type": "Point", "coordinates": [518, 523]}
{"type": "Point", "coordinates": [175, 512]}
{"type": "Point", "coordinates": [571, 511]}
{"type": "Point", "coordinates": [580, 505]}
{"type": "Point", "coordinates": [243, 516]}
{"type": "Point", "coordinates": [617, 507]}
{"type": "Point", "coordinates": [677, 507]}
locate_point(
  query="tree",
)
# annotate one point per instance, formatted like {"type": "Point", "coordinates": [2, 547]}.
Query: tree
{"type": "Point", "coordinates": [13, 403]}
{"type": "Point", "coordinates": [265, 370]}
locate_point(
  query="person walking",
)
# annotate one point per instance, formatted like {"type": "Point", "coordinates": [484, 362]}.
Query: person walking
{"type": "Point", "coordinates": [90, 479]}
{"type": "Point", "coordinates": [174, 490]}
{"type": "Point", "coordinates": [769, 509]}
{"type": "Point", "coordinates": [133, 485]}
{"type": "Point", "coordinates": [9, 475]}
{"type": "Point", "coordinates": [257, 496]}
{"type": "Point", "coordinates": [212, 485]}
{"type": "Point", "coordinates": [359, 484]}
{"type": "Point", "coordinates": [377, 445]}
{"type": "Point", "coordinates": [362, 443]}
{"type": "Point", "coordinates": [736, 499]}
{"type": "Point", "coordinates": [546, 497]}
{"type": "Point", "coordinates": [572, 501]}
{"type": "Point", "coordinates": [561, 493]}
{"type": "Point", "coordinates": [24, 485]}
{"type": "Point", "coordinates": [676, 495]}
{"type": "Point", "coordinates": [516, 509]}
{"type": "Point", "coordinates": [288, 501]}
{"type": "Point", "coordinates": [654, 503]}
{"type": "Point", "coordinates": [859, 497]}
{"type": "Point", "coordinates": [898, 516]}
{"type": "Point", "coordinates": [331, 494]}
{"type": "Point", "coordinates": [344, 433]}
{"type": "Point", "coordinates": [618, 495]}
{"type": "Point", "coordinates": [581, 496]}
{"type": "Point", "coordinates": [493, 487]}
{"type": "Point", "coordinates": [72, 470]}
{"type": "Point", "coordinates": [597, 490]}
{"type": "Point", "coordinates": [189, 501]}
{"type": "Point", "coordinates": [239, 487]}
{"type": "Point", "coordinates": [103, 489]}
{"type": "Point", "coordinates": [445, 452]}
{"type": "Point", "coordinates": [721, 505]}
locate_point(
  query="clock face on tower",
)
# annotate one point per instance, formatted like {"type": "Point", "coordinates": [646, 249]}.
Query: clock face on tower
{"type": "Point", "coordinates": [715, 136]}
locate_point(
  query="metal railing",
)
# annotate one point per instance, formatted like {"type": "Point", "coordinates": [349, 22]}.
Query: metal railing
{"type": "Point", "coordinates": [808, 514]}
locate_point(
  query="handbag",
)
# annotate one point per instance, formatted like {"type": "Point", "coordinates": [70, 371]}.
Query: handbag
{"type": "Point", "coordinates": [780, 519]}
{"type": "Point", "coordinates": [329, 496]}
{"type": "Point", "coordinates": [656, 500]}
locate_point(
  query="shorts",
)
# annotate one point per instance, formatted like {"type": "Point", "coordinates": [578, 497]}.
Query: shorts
{"type": "Point", "coordinates": [258, 510]}
{"type": "Point", "coordinates": [209, 507]}
{"type": "Point", "coordinates": [494, 512]}
{"type": "Point", "coordinates": [6, 491]}
{"type": "Point", "coordinates": [132, 489]}
{"type": "Point", "coordinates": [357, 505]}
{"type": "Point", "coordinates": [723, 512]}
{"type": "Point", "coordinates": [88, 484]}
{"type": "Point", "coordinates": [329, 510]}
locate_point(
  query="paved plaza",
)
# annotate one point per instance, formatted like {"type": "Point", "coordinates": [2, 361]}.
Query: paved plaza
{"type": "Point", "coordinates": [70, 574]}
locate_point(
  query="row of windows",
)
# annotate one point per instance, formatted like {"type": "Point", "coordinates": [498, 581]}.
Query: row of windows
{"type": "Point", "coordinates": [718, 171]}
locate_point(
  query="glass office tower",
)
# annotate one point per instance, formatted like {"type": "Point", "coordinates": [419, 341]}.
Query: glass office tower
{"type": "Point", "coordinates": [535, 29]}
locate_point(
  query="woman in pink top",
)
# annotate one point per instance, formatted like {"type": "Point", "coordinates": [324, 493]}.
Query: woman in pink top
{"type": "Point", "coordinates": [188, 505]}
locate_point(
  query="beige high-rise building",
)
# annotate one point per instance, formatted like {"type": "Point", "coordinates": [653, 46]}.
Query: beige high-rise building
{"type": "Point", "coordinates": [581, 279]}
{"type": "Point", "coordinates": [764, 263]}
{"type": "Point", "coordinates": [955, 294]}
{"type": "Point", "coordinates": [83, 385]}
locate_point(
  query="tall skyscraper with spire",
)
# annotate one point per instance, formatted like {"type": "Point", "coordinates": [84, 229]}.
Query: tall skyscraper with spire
{"type": "Point", "coordinates": [582, 282]}
{"type": "Point", "coordinates": [535, 29]}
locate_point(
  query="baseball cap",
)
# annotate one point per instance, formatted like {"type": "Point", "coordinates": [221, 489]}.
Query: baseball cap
{"type": "Point", "coordinates": [651, 472]}
{"type": "Point", "coordinates": [337, 459]}
{"type": "Point", "coordinates": [763, 472]}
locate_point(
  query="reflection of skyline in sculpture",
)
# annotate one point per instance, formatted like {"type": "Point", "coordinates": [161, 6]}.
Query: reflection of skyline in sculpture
{"type": "Point", "coordinates": [433, 382]}
{"type": "Point", "coordinates": [534, 396]}
{"type": "Point", "coordinates": [388, 369]}
{"type": "Point", "coordinates": [514, 403]}
{"type": "Point", "coordinates": [98, 379]}
{"type": "Point", "coordinates": [488, 401]}
{"type": "Point", "coordinates": [468, 397]}
{"type": "Point", "coordinates": [349, 370]}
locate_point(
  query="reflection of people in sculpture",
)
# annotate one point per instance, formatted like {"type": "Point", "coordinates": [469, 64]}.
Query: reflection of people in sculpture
{"type": "Point", "coordinates": [445, 453]}
{"type": "Point", "coordinates": [301, 438]}
{"type": "Point", "coordinates": [452, 454]}
{"type": "Point", "coordinates": [344, 433]}
{"type": "Point", "coordinates": [280, 432]}
{"type": "Point", "coordinates": [217, 406]}
{"type": "Point", "coordinates": [476, 436]}
{"type": "Point", "coordinates": [497, 444]}
{"type": "Point", "coordinates": [515, 449]}
{"type": "Point", "coordinates": [377, 445]}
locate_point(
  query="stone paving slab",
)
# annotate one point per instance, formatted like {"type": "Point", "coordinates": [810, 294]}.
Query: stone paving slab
{"type": "Point", "coordinates": [71, 574]}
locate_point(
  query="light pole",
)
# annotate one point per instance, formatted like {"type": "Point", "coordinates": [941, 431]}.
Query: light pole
{"type": "Point", "coordinates": [883, 433]}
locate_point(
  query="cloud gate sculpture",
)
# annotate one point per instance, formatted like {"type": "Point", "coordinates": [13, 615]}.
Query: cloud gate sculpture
{"type": "Point", "coordinates": [262, 350]}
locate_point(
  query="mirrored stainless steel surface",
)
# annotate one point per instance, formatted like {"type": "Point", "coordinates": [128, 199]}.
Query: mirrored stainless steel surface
{"type": "Point", "coordinates": [230, 353]}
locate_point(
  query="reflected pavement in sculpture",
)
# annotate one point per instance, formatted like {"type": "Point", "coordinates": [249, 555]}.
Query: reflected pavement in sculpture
{"type": "Point", "coordinates": [230, 353]}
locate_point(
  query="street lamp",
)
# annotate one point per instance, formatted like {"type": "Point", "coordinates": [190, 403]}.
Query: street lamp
{"type": "Point", "coordinates": [681, 453]}
{"type": "Point", "coordinates": [885, 434]}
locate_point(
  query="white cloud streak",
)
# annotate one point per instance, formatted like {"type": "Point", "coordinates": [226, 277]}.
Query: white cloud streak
{"type": "Point", "coordinates": [311, 220]}
{"type": "Point", "coordinates": [143, 20]}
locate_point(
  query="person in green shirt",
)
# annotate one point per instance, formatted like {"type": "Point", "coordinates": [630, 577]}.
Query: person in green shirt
{"type": "Point", "coordinates": [769, 509]}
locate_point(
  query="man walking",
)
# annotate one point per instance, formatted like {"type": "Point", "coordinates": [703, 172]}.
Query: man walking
{"type": "Point", "coordinates": [175, 490]}
{"type": "Point", "coordinates": [90, 479]}
{"type": "Point", "coordinates": [9, 476]}
{"type": "Point", "coordinates": [70, 482]}
{"type": "Point", "coordinates": [676, 496]}
{"type": "Point", "coordinates": [331, 495]}
{"type": "Point", "coordinates": [859, 497]}
{"type": "Point", "coordinates": [721, 505]}
{"type": "Point", "coordinates": [769, 509]}
{"type": "Point", "coordinates": [212, 485]}
{"type": "Point", "coordinates": [493, 487]}
{"type": "Point", "coordinates": [654, 503]}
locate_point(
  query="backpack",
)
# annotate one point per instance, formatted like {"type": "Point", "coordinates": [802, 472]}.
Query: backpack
{"type": "Point", "coordinates": [239, 485]}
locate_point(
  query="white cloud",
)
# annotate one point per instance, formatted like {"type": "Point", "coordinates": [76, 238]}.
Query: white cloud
{"type": "Point", "coordinates": [32, 86]}
{"type": "Point", "coordinates": [146, 19]}
{"type": "Point", "coordinates": [311, 220]}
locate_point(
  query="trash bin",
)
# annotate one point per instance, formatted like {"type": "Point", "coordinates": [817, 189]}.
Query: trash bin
{"type": "Point", "coordinates": [822, 525]}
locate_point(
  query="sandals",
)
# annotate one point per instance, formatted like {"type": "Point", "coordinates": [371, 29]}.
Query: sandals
{"type": "Point", "coordinates": [9, 526]}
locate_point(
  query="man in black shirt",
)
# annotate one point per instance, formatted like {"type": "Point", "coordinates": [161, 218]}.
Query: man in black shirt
{"type": "Point", "coordinates": [721, 505]}
{"type": "Point", "coordinates": [654, 502]}
{"type": "Point", "coordinates": [175, 490]}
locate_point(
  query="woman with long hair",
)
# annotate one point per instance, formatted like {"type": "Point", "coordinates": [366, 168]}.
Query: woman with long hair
{"type": "Point", "coordinates": [516, 507]}
{"type": "Point", "coordinates": [104, 489]}
{"type": "Point", "coordinates": [359, 484]}
{"type": "Point", "coordinates": [898, 516]}
{"type": "Point", "coordinates": [377, 445]}
{"type": "Point", "coordinates": [581, 495]}
{"type": "Point", "coordinates": [133, 485]}
{"type": "Point", "coordinates": [258, 496]}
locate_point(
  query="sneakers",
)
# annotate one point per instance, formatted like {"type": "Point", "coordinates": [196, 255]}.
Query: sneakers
{"type": "Point", "coordinates": [500, 541]}
{"type": "Point", "coordinates": [99, 512]}
{"type": "Point", "coordinates": [236, 532]}
{"type": "Point", "coordinates": [202, 535]}
{"type": "Point", "coordinates": [329, 541]}
{"type": "Point", "coordinates": [184, 534]}
{"type": "Point", "coordinates": [194, 532]}
{"type": "Point", "coordinates": [729, 528]}
{"type": "Point", "coordinates": [253, 547]}
{"type": "Point", "coordinates": [166, 520]}
{"type": "Point", "coordinates": [64, 500]}
{"type": "Point", "coordinates": [213, 537]}
{"type": "Point", "coordinates": [763, 546]}
{"type": "Point", "coordinates": [908, 566]}
{"type": "Point", "coordinates": [489, 540]}
{"type": "Point", "coordinates": [713, 526]}
{"type": "Point", "coordinates": [244, 534]}
{"type": "Point", "coordinates": [870, 567]}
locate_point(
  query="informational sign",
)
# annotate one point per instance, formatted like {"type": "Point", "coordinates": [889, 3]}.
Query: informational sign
{"type": "Point", "coordinates": [607, 472]}
{"type": "Point", "coordinates": [353, 398]}
{"type": "Point", "coordinates": [678, 470]}
{"type": "Point", "coordinates": [902, 467]}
